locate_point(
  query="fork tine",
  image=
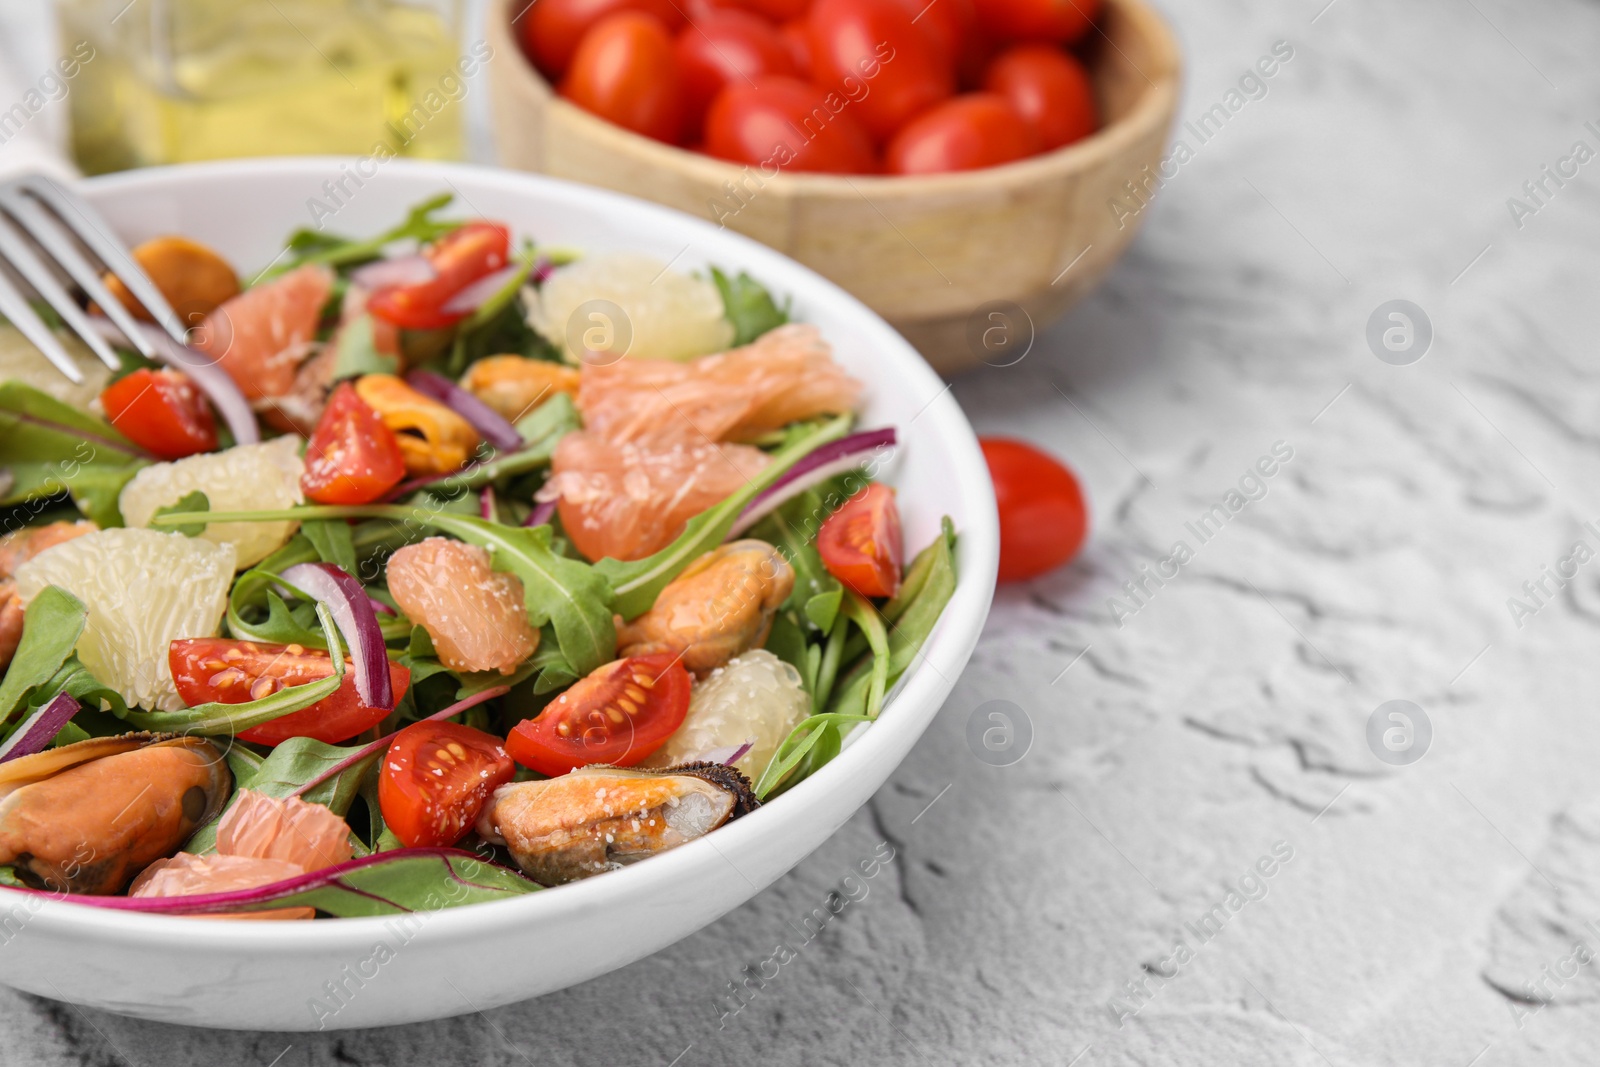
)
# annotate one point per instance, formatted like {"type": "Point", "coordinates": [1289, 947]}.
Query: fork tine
{"type": "Point", "coordinates": [14, 247]}
{"type": "Point", "coordinates": [83, 220]}
{"type": "Point", "coordinates": [14, 306]}
{"type": "Point", "coordinates": [42, 227]}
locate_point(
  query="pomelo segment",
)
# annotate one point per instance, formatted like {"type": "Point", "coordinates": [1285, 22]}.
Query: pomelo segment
{"type": "Point", "coordinates": [242, 478]}
{"type": "Point", "coordinates": [627, 501]}
{"type": "Point", "coordinates": [785, 375]}
{"type": "Point", "coordinates": [757, 698]}
{"type": "Point", "coordinates": [144, 590]}
{"type": "Point", "coordinates": [21, 361]}
{"type": "Point", "coordinates": [261, 336]}
{"type": "Point", "coordinates": [476, 616]}
{"type": "Point", "coordinates": [663, 314]}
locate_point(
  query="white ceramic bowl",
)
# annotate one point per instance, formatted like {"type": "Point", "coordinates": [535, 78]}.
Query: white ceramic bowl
{"type": "Point", "coordinates": [268, 975]}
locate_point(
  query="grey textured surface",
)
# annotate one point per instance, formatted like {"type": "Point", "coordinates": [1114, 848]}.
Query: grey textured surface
{"type": "Point", "coordinates": [1432, 913]}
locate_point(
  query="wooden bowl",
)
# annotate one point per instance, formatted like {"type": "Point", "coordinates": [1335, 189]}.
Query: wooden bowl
{"type": "Point", "coordinates": [945, 258]}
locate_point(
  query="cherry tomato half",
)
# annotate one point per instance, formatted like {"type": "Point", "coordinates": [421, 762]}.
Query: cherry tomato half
{"type": "Point", "coordinates": [551, 29]}
{"type": "Point", "coordinates": [861, 545]}
{"type": "Point", "coordinates": [207, 669]}
{"type": "Point", "coordinates": [436, 778]}
{"type": "Point", "coordinates": [1043, 518]}
{"type": "Point", "coordinates": [871, 51]}
{"type": "Point", "coordinates": [459, 258]}
{"type": "Point", "coordinates": [625, 71]}
{"type": "Point", "coordinates": [1050, 90]}
{"type": "Point", "coordinates": [1052, 20]}
{"type": "Point", "coordinates": [162, 411]}
{"type": "Point", "coordinates": [723, 47]}
{"type": "Point", "coordinates": [964, 133]}
{"type": "Point", "coordinates": [619, 714]}
{"type": "Point", "coordinates": [787, 124]}
{"type": "Point", "coordinates": [352, 457]}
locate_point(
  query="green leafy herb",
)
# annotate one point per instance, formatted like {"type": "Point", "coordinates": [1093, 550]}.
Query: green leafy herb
{"type": "Point", "coordinates": [332, 540]}
{"type": "Point", "coordinates": [859, 611]}
{"type": "Point", "coordinates": [818, 730]}
{"type": "Point", "coordinates": [749, 306]}
{"type": "Point", "coordinates": [638, 582]}
{"type": "Point", "coordinates": [545, 426]}
{"type": "Point", "coordinates": [192, 502]}
{"type": "Point", "coordinates": [50, 448]}
{"type": "Point", "coordinates": [51, 627]}
{"type": "Point", "coordinates": [226, 720]}
{"type": "Point", "coordinates": [313, 246]}
{"type": "Point", "coordinates": [357, 352]}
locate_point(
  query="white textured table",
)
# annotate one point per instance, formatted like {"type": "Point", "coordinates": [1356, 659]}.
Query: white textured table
{"type": "Point", "coordinates": [1215, 728]}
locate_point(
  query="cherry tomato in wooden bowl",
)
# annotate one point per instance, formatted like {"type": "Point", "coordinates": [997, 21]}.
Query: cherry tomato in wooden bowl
{"type": "Point", "coordinates": [551, 29]}
{"type": "Point", "coordinates": [861, 544]}
{"type": "Point", "coordinates": [626, 72]}
{"type": "Point", "coordinates": [436, 778]}
{"type": "Point", "coordinates": [1043, 517]}
{"type": "Point", "coordinates": [619, 714]}
{"type": "Point", "coordinates": [875, 56]}
{"type": "Point", "coordinates": [786, 124]}
{"type": "Point", "coordinates": [1052, 20]}
{"type": "Point", "coordinates": [726, 46]}
{"type": "Point", "coordinates": [945, 23]}
{"type": "Point", "coordinates": [352, 457]}
{"type": "Point", "coordinates": [161, 411]}
{"type": "Point", "coordinates": [1049, 88]}
{"type": "Point", "coordinates": [964, 133]}
{"type": "Point", "coordinates": [207, 669]}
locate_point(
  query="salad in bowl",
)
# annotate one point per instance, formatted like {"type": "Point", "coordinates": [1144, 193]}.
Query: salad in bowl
{"type": "Point", "coordinates": [444, 566]}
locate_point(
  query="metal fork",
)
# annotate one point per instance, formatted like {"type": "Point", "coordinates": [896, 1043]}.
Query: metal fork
{"type": "Point", "coordinates": [52, 216]}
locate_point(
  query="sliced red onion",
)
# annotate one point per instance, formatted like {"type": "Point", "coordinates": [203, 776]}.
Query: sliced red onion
{"type": "Point", "coordinates": [727, 755]}
{"type": "Point", "coordinates": [478, 293]}
{"type": "Point", "coordinates": [380, 607]}
{"type": "Point", "coordinates": [543, 267]}
{"type": "Point", "coordinates": [541, 514]}
{"type": "Point", "coordinates": [401, 270]}
{"type": "Point", "coordinates": [35, 733]}
{"type": "Point", "coordinates": [487, 421]}
{"type": "Point", "coordinates": [357, 622]}
{"type": "Point", "coordinates": [486, 504]}
{"type": "Point", "coordinates": [383, 742]}
{"type": "Point", "coordinates": [833, 458]}
{"type": "Point", "coordinates": [211, 379]}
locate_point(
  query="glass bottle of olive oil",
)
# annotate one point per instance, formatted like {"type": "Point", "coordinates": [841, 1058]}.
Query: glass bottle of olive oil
{"type": "Point", "coordinates": [178, 80]}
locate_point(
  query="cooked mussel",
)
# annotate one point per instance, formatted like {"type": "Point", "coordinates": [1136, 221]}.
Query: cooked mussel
{"type": "Point", "coordinates": [599, 818]}
{"type": "Point", "coordinates": [87, 817]}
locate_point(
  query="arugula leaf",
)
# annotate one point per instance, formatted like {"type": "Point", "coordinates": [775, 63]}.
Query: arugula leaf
{"type": "Point", "coordinates": [357, 353]}
{"type": "Point", "coordinates": [638, 582]}
{"type": "Point", "coordinates": [331, 538]}
{"type": "Point", "coordinates": [313, 246]}
{"type": "Point", "coordinates": [801, 742]}
{"type": "Point", "coordinates": [544, 426]}
{"type": "Point", "coordinates": [194, 501]}
{"type": "Point", "coordinates": [929, 584]}
{"type": "Point", "coordinates": [50, 448]}
{"type": "Point", "coordinates": [865, 616]}
{"type": "Point", "coordinates": [51, 627]}
{"type": "Point", "coordinates": [748, 305]}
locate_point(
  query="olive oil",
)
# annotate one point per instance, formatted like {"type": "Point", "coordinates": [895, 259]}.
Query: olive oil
{"type": "Point", "coordinates": [181, 80]}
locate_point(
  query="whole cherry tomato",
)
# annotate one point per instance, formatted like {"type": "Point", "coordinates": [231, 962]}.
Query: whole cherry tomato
{"type": "Point", "coordinates": [947, 23]}
{"type": "Point", "coordinates": [775, 10]}
{"type": "Point", "coordinates": [435, 779]}
{"type": "Point", "coordinates": [966, 133]}
{"type": "Point", "coordinates": [796, 34]}
{"type": "Point", "coordinates": [787, 124]}
{"type": "Point", "coordinates": [1043, 518]}
{"type": "Point", "coordinates": [723, 47]}
{"type": "Point", "coordinates": [1050, 90]}
{"type": "Point", "coordinates": [551, 29]}
{"type": "Point", "coordinates": [353, 456]}
{"type": "Point", "coordinates": [162, 411]}
{"type": "Point", "coordinates": [861, 544]}
{"type": "Point", "coordinates": [872, 53]}
{"type": "Point", "coordinates": [1052, 20]}
{"type": "Point", "coordinates": [619, 714]}
{"type": "Point", "coordinates": [625, 72]}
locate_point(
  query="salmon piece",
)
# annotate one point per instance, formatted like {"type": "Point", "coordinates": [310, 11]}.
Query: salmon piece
{"type": "Point", "coordinates": [261, 336]}
{"type": "Point", "coordinates": [476, 615]}
{"type": "Point", "coordinates": [626, 500]}
{"type": "Point", "coordinates": [784, 375]}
